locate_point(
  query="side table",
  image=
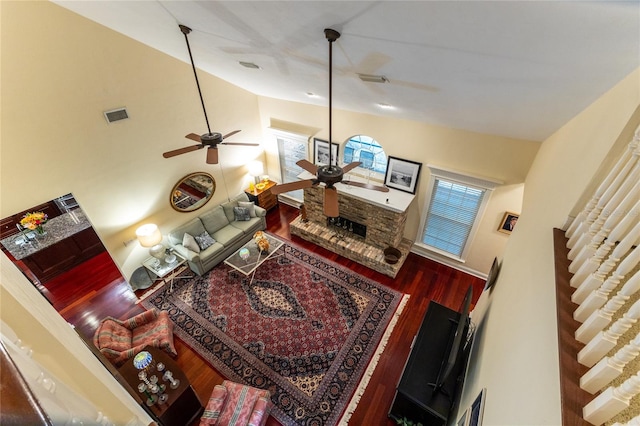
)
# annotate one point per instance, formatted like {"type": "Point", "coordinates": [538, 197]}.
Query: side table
{"type": "Point", "coordinates": [263, 197]}
{"type": "Point", "coordinates": [182, 406]}
{"type": "Point", "coordinates": [161, 270]}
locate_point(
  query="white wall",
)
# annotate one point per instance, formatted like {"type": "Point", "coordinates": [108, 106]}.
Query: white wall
{"type": "Point", "coordinates": [516, 350]}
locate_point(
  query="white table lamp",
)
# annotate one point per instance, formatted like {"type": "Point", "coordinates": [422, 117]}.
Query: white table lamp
{"type": "Point", "coordinates": [255, 169]}
{"type": "Point", "coordinates": [149, 236]}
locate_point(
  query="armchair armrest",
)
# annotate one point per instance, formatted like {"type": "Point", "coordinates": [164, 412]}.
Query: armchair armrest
{"type": "Point", "coordinates": [260, 212]}
{"type": "Point", "coordinates": [214, 406]}
{"type": "Point", "coordinates": [141, 319]}
{"type": "Point", "coordinates": [190, 255]}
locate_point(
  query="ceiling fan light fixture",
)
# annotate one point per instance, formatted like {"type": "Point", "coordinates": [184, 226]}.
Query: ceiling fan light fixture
{"type": "Point", "coordinates": [250, 65]}
{"type": "Point", "coordinates": [369, 78]}
{"type": "Point", "coordinates": [385, 106]}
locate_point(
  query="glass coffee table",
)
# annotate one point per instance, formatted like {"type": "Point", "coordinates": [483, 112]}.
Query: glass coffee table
{"type": "Point", "coordinates": [248, 257]}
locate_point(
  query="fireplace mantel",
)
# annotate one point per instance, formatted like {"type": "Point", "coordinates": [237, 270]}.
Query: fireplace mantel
{"type": "Point", "coordinates": [394, 200]}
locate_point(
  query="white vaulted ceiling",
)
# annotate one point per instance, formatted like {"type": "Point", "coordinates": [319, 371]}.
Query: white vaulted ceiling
{"type": "Point", "coordinates": [512, 68]}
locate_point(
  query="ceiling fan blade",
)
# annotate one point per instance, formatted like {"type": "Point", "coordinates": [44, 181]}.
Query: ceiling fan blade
{"type": "Point", "coordinates": [308, 166]}
{"type": "Point", "coordinates": [239, 143]}
{"type": "Point", "coordinates": [194, 137]}
{"type": "Point", "coordinates": [231, 134]}
{"type": "Point", "coordinates": [179, 151]}
{"type": "Point", "coordinates": [331, 202]}
{"type": "Point", "coordinates": [292, 186]}
{"type": "Point", "coordinates": [212, 155]}
{"type": "Point", "coordinates": [350, 166]}
{"type": "Point", "coordinates": [366, 185]}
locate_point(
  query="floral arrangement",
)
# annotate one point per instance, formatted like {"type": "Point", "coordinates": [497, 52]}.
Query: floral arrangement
{"type": "Point", "coordinates": [34, 221]}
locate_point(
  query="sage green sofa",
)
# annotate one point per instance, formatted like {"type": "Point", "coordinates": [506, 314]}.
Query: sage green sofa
{"type": "Point", "coordinates": [228, 229]}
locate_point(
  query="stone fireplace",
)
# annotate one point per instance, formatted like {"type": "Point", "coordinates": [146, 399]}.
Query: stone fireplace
{"type": "Point", "coordinates": [369, 222]}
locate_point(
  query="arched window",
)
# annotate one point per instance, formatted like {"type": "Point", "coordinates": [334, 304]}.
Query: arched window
{"type": "Point", "coordinates": [366, 150]}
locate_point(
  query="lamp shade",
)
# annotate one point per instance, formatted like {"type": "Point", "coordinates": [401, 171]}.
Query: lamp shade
{"type": "Point", "coordinates": [255, 168]}
{"type": "Point", "coordinates": [149, 235]}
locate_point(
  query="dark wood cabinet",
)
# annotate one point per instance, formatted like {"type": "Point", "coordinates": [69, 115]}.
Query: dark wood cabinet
{"type": "Point", "coordinates": [263, 197]}
{"type": "Point", "coordinates": [182, 406]}
{"type": "Point", "coordinates": [58, 258]}
{"type": "Point", "coordinates": [416, 398]}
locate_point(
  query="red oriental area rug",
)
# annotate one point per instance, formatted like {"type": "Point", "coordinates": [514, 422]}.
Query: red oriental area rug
{"type": "Point", "coordinates": [307, 330]}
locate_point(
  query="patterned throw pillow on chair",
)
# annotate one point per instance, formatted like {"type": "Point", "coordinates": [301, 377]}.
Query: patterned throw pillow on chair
{"type": "Point", "coordinates": [204, 240]}
{"type": "Point", "coordinates": [241, 214]}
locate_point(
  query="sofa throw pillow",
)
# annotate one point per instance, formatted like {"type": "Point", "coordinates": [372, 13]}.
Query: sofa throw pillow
{"type": "Point", "coordinates": [241, 214]}
{"type": "Point", "coordinates": [204, 240]}
{"type": "Point", "coordinates": [189, 242]}
{"type": "Point", "coordinates": [250, 206]}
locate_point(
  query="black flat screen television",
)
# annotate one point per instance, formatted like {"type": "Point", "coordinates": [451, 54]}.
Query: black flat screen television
{"type": "Point", "coordinates": [457, 345]}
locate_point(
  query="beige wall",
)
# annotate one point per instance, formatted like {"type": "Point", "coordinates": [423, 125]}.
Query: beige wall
{"type": "Point", "coordinates": [491, 156]}
{"type": "Point", "coordinates": [59, 73]}
{"type": "Point", "coordinates": [515, 355]}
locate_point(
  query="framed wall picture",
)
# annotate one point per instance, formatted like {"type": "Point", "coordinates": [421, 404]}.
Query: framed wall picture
{"type": "Point", "coordinates": [477, 409]}
{"type": "Point", "coordinates": [493, 274]}
{"type": "Point", "coordinates": [508, 222]}
{"type": "Point", "coordinates": [321, 152]}
{"type": "Point", "coordinates": [402, 174]}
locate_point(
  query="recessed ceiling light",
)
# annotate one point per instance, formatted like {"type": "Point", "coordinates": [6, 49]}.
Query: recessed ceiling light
{"type": "Point", "coordinates": [249, 65]}
{"type": "Point", "coordinates": [386, 106]}
{"type": "Point", "coordinates": [369, 78]}
{"type": "Point", "coordinates": [312, 95]}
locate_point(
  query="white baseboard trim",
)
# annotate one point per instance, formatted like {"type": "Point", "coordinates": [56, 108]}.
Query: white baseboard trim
{"type": "Point", "coordinates": [421, 251]}
{"type": "Point", "coordinates": [289, 201]}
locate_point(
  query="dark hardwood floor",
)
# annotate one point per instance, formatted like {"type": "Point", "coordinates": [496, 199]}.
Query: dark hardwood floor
{"type": "Point", "coordinates": [104, 293]}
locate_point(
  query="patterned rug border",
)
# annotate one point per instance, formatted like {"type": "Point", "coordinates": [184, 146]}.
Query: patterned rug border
{"type": "Point", "coordinates": [364, 382]}
{"type": "Point", "coordinates": [366, 370]}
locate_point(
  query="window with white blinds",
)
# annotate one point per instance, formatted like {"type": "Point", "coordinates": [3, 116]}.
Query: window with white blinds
{"type": "Point", "coordinates": [291, 148]}
{"type": "Point", "coordinates": [454, 206]}
{"type": "Point", "coordinates": [452, 213]}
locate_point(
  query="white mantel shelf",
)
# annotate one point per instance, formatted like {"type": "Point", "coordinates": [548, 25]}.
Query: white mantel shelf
{"type": "Point", "coordinates": [394, 200]}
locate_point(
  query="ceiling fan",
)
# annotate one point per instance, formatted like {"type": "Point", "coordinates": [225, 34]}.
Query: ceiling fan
{"type": "Point", "coordinates": [209, 139]}
{"type": "Point", "coordinates": [329, 174]}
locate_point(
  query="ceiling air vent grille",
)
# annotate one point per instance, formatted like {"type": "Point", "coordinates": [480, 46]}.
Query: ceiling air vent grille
{"type": "Point", "coordinates": [116, 115]}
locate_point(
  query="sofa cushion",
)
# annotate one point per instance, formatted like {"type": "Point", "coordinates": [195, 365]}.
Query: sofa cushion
{"type": "Point", "coordinates": [204, 240]}
{"type": "Point", "coordinates": [241, 214]}
{"type": "Point", "coordinates": [228, 235]}
{"type": "Point", "coordinates": [189, 242]}
{"type": "Point", "coordinates": [228, 209]}
{"type": "Point", "coordinates": [250, 226]}
{"type": "Point", "coordinates": [214, 220]}
{"type": "Point", "coordinates": [250, 206]}
{"type": "Point", "coordinates": [193, 227]}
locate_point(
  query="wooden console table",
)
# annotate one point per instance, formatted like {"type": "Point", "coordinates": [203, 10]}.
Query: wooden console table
{"type": "Point", "coordinates": [263, 197]}
{"type": "Point", "coordinates": [183, 406]}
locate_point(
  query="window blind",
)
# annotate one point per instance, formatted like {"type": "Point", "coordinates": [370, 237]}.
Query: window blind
{"type": "Point", "coordinates": [452, 213]}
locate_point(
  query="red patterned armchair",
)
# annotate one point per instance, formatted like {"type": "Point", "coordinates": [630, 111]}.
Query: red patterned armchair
{"type": "Point", "coordinates": [120, 340]}
{"type": "Point", "coordinates": [233, 404]}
